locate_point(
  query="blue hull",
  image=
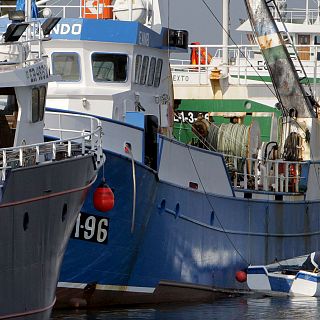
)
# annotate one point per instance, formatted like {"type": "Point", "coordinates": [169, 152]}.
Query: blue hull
{"type": "Point", "coordinates": [182, 239]}
{"type": "Point", "coordinates": [112, 263]}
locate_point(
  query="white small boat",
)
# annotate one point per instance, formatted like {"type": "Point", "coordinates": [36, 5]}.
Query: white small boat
{"type": "Point", "coordinates": [294, 277]}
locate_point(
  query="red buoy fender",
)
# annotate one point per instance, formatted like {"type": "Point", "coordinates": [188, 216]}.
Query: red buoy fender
{"type": "Point", "coordinates": [241, 276]}
{"type": "Point", "coordinates": [103, 198]}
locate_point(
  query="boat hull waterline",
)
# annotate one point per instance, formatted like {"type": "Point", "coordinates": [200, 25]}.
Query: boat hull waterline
{"type": "Point", "coordinates": [183, 239]}
{"type": "Point", "coordinates": [33, 219]}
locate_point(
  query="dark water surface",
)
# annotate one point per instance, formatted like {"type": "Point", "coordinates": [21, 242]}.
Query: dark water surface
{"type": "Point", "coordinates": [244, 307]}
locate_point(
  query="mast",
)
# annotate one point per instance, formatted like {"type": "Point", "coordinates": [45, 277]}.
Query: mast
{"type": "Point", "coordinates": [27, 10]}
{"type": "Point", "coordinates": [225, 36]}
{"type": "Point", "coordinates": [290, 91]}
{"type": "Point", "coordinates": [318, 13]}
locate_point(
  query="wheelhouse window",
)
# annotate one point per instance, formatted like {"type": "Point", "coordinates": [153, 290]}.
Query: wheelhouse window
{"type": "Point", "coordinates": [152, 69]}
{"type": "Point", "coordinates": [67, 65]}
{"type": "Point", "coordinates": [137, 68]}
{"type": "Point", "coordinates": [157, 77]}
{"type": "Point", "coordinates": [108, 67]}
{"type": "Point", "coordinates": [144, 70]}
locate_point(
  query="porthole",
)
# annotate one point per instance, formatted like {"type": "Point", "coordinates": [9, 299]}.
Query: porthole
{"type": "Point", "coordinates": [162, 207]}
{"type": "Point", "coordinates": [25, 221]}
{"type": "Point", "coordinates": [177, 210]}
{"type": "Point", "coordinates": [212, 218]}
{"type": "Point", "coordinates": [64, 212]}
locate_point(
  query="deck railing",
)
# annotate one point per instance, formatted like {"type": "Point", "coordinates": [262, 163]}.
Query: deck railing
{"type": "Point", "coordinates": [25, 52]}
{"type": "Point", "coordinates": [267, 175]}
{"type": "Point", "coordinates": [298, 15]}
{"type": "Point", "coordinates": [78, 143]}
{"type": "Point", "coordinates": [245, 63]}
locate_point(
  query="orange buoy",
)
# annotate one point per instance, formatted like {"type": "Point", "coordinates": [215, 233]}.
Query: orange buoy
{"type": "Point", "coordinates": [103, 198]}
{"type": "Point", "coordinates": [241, 276]}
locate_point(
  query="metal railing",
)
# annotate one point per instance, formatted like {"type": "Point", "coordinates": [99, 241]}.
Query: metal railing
{"type": "Point", "coordinates": [93, 9]}
{"type": "Point", "coordinates": [78, 143]}
{"type": "Point", "coordinates": [266, 175]}
{"type": "Point", "coordinates": [245, 62]}
{"type": "Point", "coordinates": [25, 52]}
{"type": "Point", "coordinates": [298, 15]}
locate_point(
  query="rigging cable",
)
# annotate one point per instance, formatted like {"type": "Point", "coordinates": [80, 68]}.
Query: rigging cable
{"type": "Point", "coordinates": [250, 64]}
{"type": "Point", "coordinates": [211, 206]}
{"type": "Point", "coordinates": [218, 21]}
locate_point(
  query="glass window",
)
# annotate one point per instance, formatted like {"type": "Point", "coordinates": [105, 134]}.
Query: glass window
{"type": "Point", "coordinates": [8, 104]}
{"type": "Point", "coordinates": [66, 65]}
{"type": "Point", "coordinates": [35, 105]}
{"type": "Point", "coordinates": [109, 67]}
{"type": "Point", "coordinates": [42, 101]}
{"type": "Point", "coordinates": [38, 103]}
{"type": "Point", "coordinates": [157, 77]}
{"type": "Point", "coordinates": [316, 40]}
{"type": "Point", "coordinates": [137, 68]}
{"type": "Point", "coordinates": [144, 70]}
{"type": "Point", "coordinates": [3, 102]}
{"type": "Point", "coordinates": [152, 69]}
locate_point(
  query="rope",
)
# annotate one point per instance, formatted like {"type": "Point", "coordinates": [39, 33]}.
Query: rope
{"type": "Point", "coordinates": [233, 139]}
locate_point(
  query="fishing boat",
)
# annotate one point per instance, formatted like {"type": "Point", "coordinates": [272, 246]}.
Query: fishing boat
{"type": "Point", "coordinates": [232, 77]}
{"type": "Point", "coordinates": [42, 184]}
{"type": "Point", "coordinates": [293, 277]}
{"type": "Point", "coordinates": [187, 218]}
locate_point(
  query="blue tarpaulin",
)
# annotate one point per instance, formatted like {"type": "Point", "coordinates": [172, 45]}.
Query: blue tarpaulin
{"type": "Point", "coordinates": [34, 9]}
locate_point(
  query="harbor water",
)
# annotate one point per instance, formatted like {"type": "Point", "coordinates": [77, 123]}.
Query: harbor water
{"type": "Point", "coordinates": [243, 307]}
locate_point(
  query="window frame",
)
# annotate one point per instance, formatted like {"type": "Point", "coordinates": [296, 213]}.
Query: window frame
{"type": "Point", "coordinates": [110, 53]}
{"type": "Point", "coordinates": [137, 71]}
{"type": "Point", "coordinates": [152, 68]}
{"type": "Point", "coordinates": [40, 108]}
{"type": "Point", "coordinates": [144, 70]}
{"type": "Point", "coordinates": [35, 107]}
{"type": "Point", "coordinates": [78, 60]}
{"type": "Point", "coordinates": [157, 79]}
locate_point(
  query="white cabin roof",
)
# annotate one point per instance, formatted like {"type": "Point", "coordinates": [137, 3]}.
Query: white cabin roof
{"type": "Point", "coordinates": [292, 27]}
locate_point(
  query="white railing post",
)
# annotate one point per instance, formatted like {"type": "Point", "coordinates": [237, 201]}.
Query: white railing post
{"type": "Point", "coordinates": [69, 149]}
{"type": "Point", "coordinates": [276, 174]}
{"type": "Point", "coordinates": [21, 156]}
{"type": "Point", "coordinates": [54, 151]}
{"type": "Point", "coordinates": [4, 164]}
{"type": "Point", "coordinates": [91, 132]}
{"type": "Point", "coordinates": [37, 154]}
{"type": "Point", "coordinates": [238, 64]}
{"type": "Point", "coordinates": [60, 126]}
{"type": "Point", "coordinates": [245, 176]}
{"type": "Point", "coordinates": [83, 143]}
{"type": "Point", "coordinates": [286, 175]}
{"type": "Point", "coordinates": [100, 152]}
{"type": "Point", "coordinates": [282, 179]}
{"type": "Point", "coordinates": [256, 185]}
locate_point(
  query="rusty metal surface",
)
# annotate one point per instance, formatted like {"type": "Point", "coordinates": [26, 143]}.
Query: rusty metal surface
{"type": "Point", "coordinates": [281, 68]}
